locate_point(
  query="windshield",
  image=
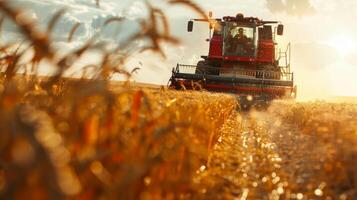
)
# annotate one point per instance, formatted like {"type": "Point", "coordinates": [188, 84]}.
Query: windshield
{"type": "Point", "coordinates": [238, 40]}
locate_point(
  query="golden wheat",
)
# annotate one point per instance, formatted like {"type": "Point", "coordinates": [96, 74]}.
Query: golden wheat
{"type": "Point", "coordinates": [95, 139]}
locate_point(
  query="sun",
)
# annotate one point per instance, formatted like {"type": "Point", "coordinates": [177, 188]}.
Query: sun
{"type": "Point", "coordinates": [344, 45]}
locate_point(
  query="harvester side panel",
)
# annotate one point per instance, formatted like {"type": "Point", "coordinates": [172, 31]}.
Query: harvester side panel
{"type": "Point", "coordinates": [266, 51]}
{"type": "Point", "coordinates": [216, 46]}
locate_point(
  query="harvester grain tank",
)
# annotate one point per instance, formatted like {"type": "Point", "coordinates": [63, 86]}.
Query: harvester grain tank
{"type": "Point", "coordinates": [243, 59]}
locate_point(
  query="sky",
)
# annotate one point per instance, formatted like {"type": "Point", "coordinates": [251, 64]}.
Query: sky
{"type": "Point", "coordinates": [323, 35]}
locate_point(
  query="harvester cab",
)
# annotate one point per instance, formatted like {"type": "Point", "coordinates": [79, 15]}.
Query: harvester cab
{"type": "Point", "coordinates": [243, 59]}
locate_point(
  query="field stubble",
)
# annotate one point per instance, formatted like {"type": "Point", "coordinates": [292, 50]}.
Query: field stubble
{"type": "Point", "coordinates": [290, 151]}
{"type": "Point", "coordinates": [86, 143]}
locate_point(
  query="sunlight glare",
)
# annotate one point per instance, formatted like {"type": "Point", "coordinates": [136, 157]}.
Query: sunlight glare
{"type": "Point", "coordinates": [343, 44]}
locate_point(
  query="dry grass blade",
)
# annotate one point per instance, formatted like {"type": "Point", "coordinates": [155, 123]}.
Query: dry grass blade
{"type": "Point", "coordinates": [156, 39]}
{"type": "Point", "coordinates": [122, 71]}
{"type": "Point", "coordinates": [28, 28]}
{"type": "Point", "coordinates": [164, 20]}
{"type": "Point", "coordinates": [136, 69]}
{"type": "Point", "coordinates": [151, 32]}
{"type": "Point", "coordinates": [191, 5]}
{"type": "Point", "coordinates": [67, 61]}
{"type": "Point", "coordinates": [85, 69]}
{"type": "Point", "coordinates": [11, 69]}
{"type": "Point", "coordinates": [5, 48]}
{"type": "Point", "coordinates": [2, 19]}
{"type": "Point", "coordinates": [113, 19]}
{"type": "Point", "coordinates": [152, 19]}
{"type": "Point", "coordinates": [73, 31]}
{"type": "Point", "coordinates": [55, 19]}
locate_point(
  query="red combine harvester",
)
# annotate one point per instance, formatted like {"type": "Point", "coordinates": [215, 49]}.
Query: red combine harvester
{"type": "Point", "coordinates": [243, 59]}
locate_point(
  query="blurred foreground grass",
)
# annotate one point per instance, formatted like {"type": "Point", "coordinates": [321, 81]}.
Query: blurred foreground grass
{"type": "Point", "coordinates": [88, 142]}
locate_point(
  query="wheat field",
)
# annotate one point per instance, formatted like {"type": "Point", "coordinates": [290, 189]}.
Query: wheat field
{"type": "Point", "coordinates": [66, 138]}
{"type": "Point", "coordinates": [142, 143]}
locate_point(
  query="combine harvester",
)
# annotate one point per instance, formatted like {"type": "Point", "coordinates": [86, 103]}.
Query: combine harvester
{"type": "Point", "coordinates": [243, 59]}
